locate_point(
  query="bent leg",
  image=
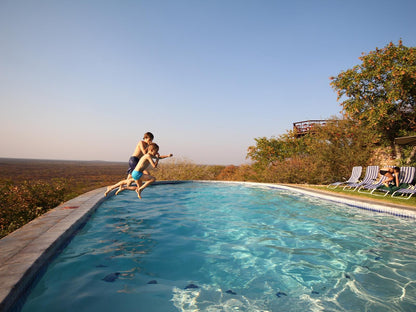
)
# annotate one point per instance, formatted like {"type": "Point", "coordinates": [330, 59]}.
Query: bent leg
{"type": "Point", "coordinates": [130, 179]}
{"type": "Point", "coordinates": [117, 185]}
{"type": "Point", "coordinates": [123, 188]}
{"type": "Point", "coordinates": [145, 177]}
{"type": "Point", "coordinates": [112, 187]}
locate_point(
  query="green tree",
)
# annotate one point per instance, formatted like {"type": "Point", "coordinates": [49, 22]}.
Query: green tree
{"type": "Point", "coordinates": [338, 146]}
{"type": "Point", "coordinates": [268, 151]}
{"type": "Point", "coordinates": [324, 156]}
{"type": "Point", "coordinates": [380, 93]}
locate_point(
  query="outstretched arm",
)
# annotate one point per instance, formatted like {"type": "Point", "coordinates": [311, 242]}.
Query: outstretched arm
{"type": "Point", "coordinates": [165, 156]}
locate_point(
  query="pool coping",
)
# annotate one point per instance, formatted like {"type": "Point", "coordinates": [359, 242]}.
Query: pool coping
{"type": "Point", "coordinates": [27, 250]}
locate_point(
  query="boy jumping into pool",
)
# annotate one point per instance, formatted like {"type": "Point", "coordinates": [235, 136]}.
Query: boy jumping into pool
{"type": "Point", "coordinates": [139, 174]}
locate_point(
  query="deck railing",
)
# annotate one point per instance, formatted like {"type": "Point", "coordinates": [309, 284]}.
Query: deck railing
{"type": "Point", "coordinates": [304, 127]}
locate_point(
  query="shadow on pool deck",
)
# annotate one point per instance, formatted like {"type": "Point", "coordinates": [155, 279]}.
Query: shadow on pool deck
{"type": "Point", "coordinates": [26, 251]}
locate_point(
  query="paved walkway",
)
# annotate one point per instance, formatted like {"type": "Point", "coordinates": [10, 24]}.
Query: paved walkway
{"type": "Point", "coordinates": [26, 251]}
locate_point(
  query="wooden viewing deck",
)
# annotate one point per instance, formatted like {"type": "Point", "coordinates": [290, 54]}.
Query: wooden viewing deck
{"type": "Point", "coordinates": [304, 127]}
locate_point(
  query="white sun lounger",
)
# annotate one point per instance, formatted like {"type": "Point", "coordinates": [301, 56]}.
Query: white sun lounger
{"type": "Point", "coordinates": [410, 190]}
{"type": "Point", "coordinates": [354, 178]}
{"type": "Point", "coordinates": [371, 174]}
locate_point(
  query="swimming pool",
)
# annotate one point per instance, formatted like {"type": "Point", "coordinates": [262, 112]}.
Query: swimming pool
{"type": "Point", "coordinates": [231, 247]}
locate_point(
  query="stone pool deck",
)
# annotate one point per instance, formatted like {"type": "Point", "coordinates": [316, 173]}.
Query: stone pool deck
{"type": "Point", "coordinates": [26, 251]}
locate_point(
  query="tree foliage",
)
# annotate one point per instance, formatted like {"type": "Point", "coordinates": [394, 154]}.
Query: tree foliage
{"type": "Point", "coordinates": [326, 155]}
{"type": "Point", "coordinates": [338, 146]}
{"type": "Point", "coordinates": [269, 151]}
{"type": "Point", "coordinates": [380, 92]}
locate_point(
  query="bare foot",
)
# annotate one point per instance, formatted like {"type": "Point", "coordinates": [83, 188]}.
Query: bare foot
{"type": "Point", "coordinates": [139, 193]}
{"type": "Point", "coordinates": [107, 191]}
{"type": "Point", "coordinates": [119, 190]}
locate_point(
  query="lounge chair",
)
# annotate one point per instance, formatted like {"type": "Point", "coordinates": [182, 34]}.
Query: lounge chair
{"type": "Point", "coordinates": [371, 174]}
{"type": "Point", "coordinates": [371, 187]}
{"type": "Point", "coordinates": [405, 178]}
{"type": "Point", "coordinates": [406, 187]}
{"type": "Point", "coordinates": [410, 191]}
{"type": "Point", "coordinates": [354, 178]}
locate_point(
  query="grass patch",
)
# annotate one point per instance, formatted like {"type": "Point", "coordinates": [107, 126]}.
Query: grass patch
{"type": "Point", "coordinates": [387, 199]}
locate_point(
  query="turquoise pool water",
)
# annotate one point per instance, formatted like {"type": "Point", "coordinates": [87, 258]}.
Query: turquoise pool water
{"type": "Point", "coordinates": [231, 247]}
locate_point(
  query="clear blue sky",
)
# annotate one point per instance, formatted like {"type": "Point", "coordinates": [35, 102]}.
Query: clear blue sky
{"type": "Point", "coordinates": [84, 79]}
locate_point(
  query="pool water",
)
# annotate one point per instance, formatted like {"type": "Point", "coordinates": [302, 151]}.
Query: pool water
{"type": "Point", "coordinates": [231, 247]}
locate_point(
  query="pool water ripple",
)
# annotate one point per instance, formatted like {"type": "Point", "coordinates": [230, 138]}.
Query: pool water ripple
{"type": "Point", "coordinates": [226, 247]}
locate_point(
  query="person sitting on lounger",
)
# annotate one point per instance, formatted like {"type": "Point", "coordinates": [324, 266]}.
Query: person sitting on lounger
{"type": "Point", "coordinates": [392, 176]}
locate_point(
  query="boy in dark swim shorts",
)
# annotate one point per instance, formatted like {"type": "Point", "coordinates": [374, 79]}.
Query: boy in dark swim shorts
{"type": "Point", "coordinates": [139, 151]}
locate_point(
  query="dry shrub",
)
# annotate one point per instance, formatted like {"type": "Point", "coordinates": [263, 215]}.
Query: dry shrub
{"type": "Point", "coordinates": [182, 169]}
{"type": "Point", "coordinates": [239, 173]}
{"type": "Point", "coordinates": [23, 202]}
{"type": "Point", "coordinates": [296, 170]}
